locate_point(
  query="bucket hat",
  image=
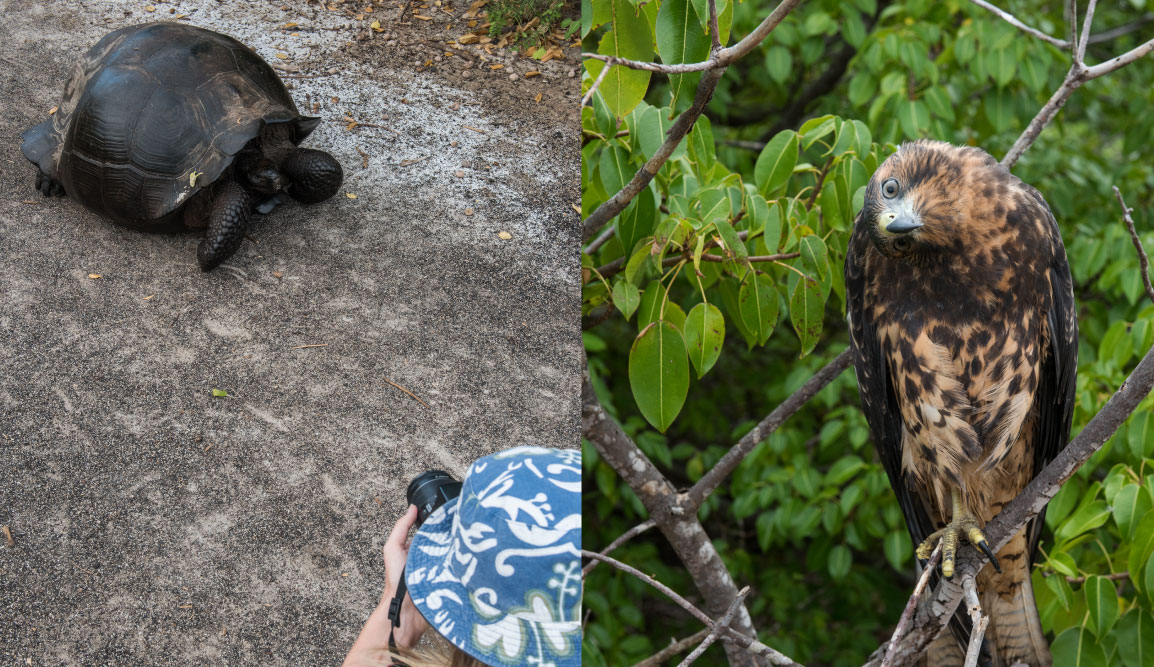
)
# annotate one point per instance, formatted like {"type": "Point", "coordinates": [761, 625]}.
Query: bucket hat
{"type": "Point", "coordinates": [497, 570]}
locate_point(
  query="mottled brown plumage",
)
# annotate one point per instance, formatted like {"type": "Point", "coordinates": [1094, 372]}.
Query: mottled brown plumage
{"type": "Point", "coordinates": [964, 340]}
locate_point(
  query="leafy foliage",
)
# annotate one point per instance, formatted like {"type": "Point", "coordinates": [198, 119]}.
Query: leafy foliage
{"type": "Point", "coordinates": [730, 262]}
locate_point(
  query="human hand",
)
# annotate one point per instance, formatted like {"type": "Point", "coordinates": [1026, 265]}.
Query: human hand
{"type": "Point", "coordinates": [374, 638]}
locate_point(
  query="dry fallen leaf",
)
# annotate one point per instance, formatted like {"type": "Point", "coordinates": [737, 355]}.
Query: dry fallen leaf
{"type": "Point", "coordinates": [350, 195]}
{"type": "Point", "coordinates": [468, 211]}
{"type": "Point", "coordinates": [495, 67]}
{"type": "Point", "coordinates": [423, 18]}
{"type": "Point", "coordinates": [376, 26]}
{"type": "Point", "coordinates": [277, 274]}
{"type": "Point", "coordinates": [289, 26]}
{"type": "Point", "coordinates": [538, 98]}
{"type": "Point", "coordinates": [504, 236]}
{"type": "Point", "coordinates": [150, 8]}
{"type": "Point", "coordinates": [149, 297]}
{"type": "Point", "coordinates": [576, 208]}
{"type": "Point", "coordinates": [282, 56]}
{"type": "Point", "coordinates": [459, 173]}
{"type": "Point", "coordinates": [530, 75]}
{"type": "Point", "coordinates": [8, 537]}
{"type": "Point", "coordinates": [53, 110]}
{"type": "Point", "coordinates": [94, 276]}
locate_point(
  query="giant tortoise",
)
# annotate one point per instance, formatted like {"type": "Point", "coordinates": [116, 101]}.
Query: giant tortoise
{"type": "Point", "coordinates": [165, 126]}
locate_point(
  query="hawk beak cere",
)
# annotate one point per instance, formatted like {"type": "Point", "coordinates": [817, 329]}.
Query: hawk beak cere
{"type": "Point", "coordinates": [895, 223]}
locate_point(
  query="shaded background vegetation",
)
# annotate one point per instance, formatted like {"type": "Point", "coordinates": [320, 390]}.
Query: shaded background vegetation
{"type": "Point", "coordinates": [808, 519]}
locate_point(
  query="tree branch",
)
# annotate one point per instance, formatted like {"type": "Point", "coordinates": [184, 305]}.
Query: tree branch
{"type": "Point", "coordinates": [752, 645]}
{"type": "Point", "coordinates": [1143, 260]}
{"type": "Point", "coordinates": [1080, 54]}
{"type": "Point", "coordinates": [622, 539]}
{"type": "Point", "coordinates": [597, 82]}
{"type": "Point", "coordinates": [684, 123]}
{"type": "Point", "coordinates": [1126, 29]}
{"type": "Point", "coordinates": [615, 267]}
{"type": "Point", "coordinates": [1009, 18]}
{"type": "Point", "coordinates": [659, 658]}
{"type": "Point", "coordinates": [721, 625]}
{"type": "Point", "coordinates": [710, 480]}
{"type": "Point", "coordinates": [908, 612]}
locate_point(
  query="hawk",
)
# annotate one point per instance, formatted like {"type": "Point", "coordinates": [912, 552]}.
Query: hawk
{"type": "Point", "coordinates": [964, 340]}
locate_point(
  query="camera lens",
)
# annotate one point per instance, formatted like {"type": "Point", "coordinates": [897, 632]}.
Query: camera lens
{"type": "Point", "coordinates": [430, 490]}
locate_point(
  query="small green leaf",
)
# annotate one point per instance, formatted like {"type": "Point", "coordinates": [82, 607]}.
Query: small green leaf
{"type": "Point", "coordinates": [898, 549]}
{"type": "Point", "coordinates": [776, 162]}
{"type": "Point", "coordinates": [1136, 638]}
{"type": "Point", "coordinates": [219, 393]}
{"type": "Point", "coordinates": [626, 297]}
{"type": "Point", "coordinates": [1076, 646]}
{"type": "Point", "coordinates": [1062, 563]}
{"type": "Point", "coordinates": [1141, 434]}
{"type": "Point", "coordinates": [758, 301]}
{"type": "Point", "coordinates": [1061, 589]}
{"type": "Point", "coordinates": [1085, 518]}
{"type": "Point", "coordinates": [615, 170]}
{"type": "Point", "coordinates": [914, 117]}
{"type": "Point", "coordinates": [816, 128]}
{"type": "Point", "coordinates": [659, 373]}
{"type": "Point", "coordinates": [778, 62]}
{"type": "Point", "coordinates": [1130, 504]}
{"type": "Point", "coordinates": [630, 37]}
{"type": "Point", "coordinates": [637, 220]}
{"type": "Point", "coordinates": [1102, 602]}
{"type": "Point", "coordinates": [1141, 547]}
{"type": "Point", "coordinates": [862, 88]}
{"type": "Point", "coordinates": [1001, 64]}
{"type": "Point", "coordinates": [840, 560]}
{"type": "Point", "coordinates": [704, 335]}
{"type": "Point", "coordinates": [652, 128]}
{"type": "Point", "coordinates": [806, 309]}
{"type": "Point", "coordinates": [681, 40]}
{"type": "Point", "coordinates": [652, 301]}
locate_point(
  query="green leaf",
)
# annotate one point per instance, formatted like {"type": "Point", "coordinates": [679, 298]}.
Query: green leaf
{"type": "Point", "coordinates": [1141, 547]}
{"type": "Point", "coordinates": [733, 247]}
{"type": "Point", "coordinates": [704, 334]}
{"type": "Point", "coordinates": [1061, 589]}
{"type": "Point", "coordinates": [1130, 504]}
{"type": "Point", "coordinates": [637, 220]}
{"type": "Point", "coordinates": [843, 469]}
{"type": "Point", "coordinates": [997, 106]}
{"type": "Point", "coordinates": [1077, 647]}
{"type": "Point", "coordinates": [898, 549]}
{"type": "Point", "coordinates": [1035, 71]}
{"type": "Point", "coordinates": [840, 560]}
{"type": "Point", "coordinates": [778, 62]}
{"type": "Point", "coordinates": [615, 170]}
{"type": "Point", "coordinates": [939, 102]}
{"type": "Point", "coordinates": [1001, 64]}
{"type": "Point", "coordinates": [681, 40]}
{"type": "Point", "coordinates": [219, 393]}
{"type": "Point", "coordinates": [1085, 518]}
{"type": "Point", "coordinates": [1135, 635]}
{"type": "Point", "coordinates": [1141, 434]}
{"type": "Point", "coordinates": [653, 127]}
{"type": "Point", "coordinates": [631, 38]}
{"type": "Point", "coordinates": [659, 374]}
{"type": "Point", "coordinates": [806, 309]}
{"type": "Point", "coordinates": [816, 128]}
{"type": "Point", "coordinates": [914, 117]}
{"type": "Point", "coordinates": [702, 150]}
{"type": "Point", "coordinates": [626, 297]}
{"type": "Point", "coordinates": [862, 88]}
{"type": "Point", "coordinates": [814, 256]}
{"type": "Point", "coordinates": [652, 301]}
{"type": "Point", "coordinates": [818, 23]}
{"type": "Point", "coordinates": [1063, 563]}
{"type": "Point", "coordinates": [1102, 601]}
{"type": "Point", "coordinates": [758, 301]}
{"type": "Point", "coordinates": [776, 162]}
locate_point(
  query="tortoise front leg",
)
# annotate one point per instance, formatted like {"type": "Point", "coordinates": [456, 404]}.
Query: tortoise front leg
{"type": "Point", "coordinates": [48, 186]}
{"type": "Point", "coordinates": [231, 210]}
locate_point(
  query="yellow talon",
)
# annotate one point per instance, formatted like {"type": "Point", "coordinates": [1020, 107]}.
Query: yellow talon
{"type": "Point", "coordinates": [963, 522]}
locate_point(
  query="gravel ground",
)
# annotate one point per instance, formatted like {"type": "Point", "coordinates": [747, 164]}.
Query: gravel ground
{"type": "Point", "coordinates": [153, 523]}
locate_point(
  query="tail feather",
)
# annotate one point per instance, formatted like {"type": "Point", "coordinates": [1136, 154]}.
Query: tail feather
{"type": "Point", "coordinates": [1015, 630]}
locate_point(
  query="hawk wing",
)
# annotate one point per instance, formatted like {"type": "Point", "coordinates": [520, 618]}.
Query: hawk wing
{"type": "Point", "coordinates": [879, 401]}
{"type": "Point", "coordinates": [1057, 381]}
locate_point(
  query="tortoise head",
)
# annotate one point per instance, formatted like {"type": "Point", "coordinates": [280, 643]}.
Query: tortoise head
{"type": "Point", "coordinates": [259, 173]}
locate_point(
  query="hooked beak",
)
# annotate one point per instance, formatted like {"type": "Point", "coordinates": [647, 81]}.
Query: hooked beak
{"type": "Point", "coordinates": [901, 223]}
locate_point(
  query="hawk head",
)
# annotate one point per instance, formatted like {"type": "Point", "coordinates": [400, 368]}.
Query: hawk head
{"type": "Point", "coordinates": [916, 203]}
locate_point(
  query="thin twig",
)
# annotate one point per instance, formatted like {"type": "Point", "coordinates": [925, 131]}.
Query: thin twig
{"type": "Point", "coordinates": [714, 32]}
{"type": "Point", "coordinates": [622, 539]}
{"type": "Point", "coordinates": [301, 347]}
{"type": "Point", "coordinates": [1113, 576]}
{"type": "Point", "coordinates": [908, 612]}
{"type": "Point", "coordinates": [596, 243]}
{"type": "Point", "coordinates": [1072, 26]}
{"type": "Point", "coordinates": [675, 647]}
{"type": "Point", "coordinates": [1143, 260]}
{"type": "Point", "coordinates": [615, 267]}
{"type": "Point", "coordinates": [752, 645]}
{"type": "Point", "coordinates": [978, 622]}
{"type": "Point", "coordinates": [414, 396]}
{"type": "Point", "coordinates": [716, 66]}
{"type": "Point", "coordinates": [597, 82]}
{"type": "Point", "coordinates": [1080, 55]}
{"type": "Point", "coordinates": [1126, 29]}
{"type": "Point", "coordinates": [721, 625]}
{"type": "Point", "coordinates": [1009, 18]}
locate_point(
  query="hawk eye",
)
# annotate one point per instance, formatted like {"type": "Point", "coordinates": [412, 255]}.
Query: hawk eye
{"type": "Point", "coordinates": [890, 188]}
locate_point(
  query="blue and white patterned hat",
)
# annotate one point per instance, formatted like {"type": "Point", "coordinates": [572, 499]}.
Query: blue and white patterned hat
{"type": "Point", "coordinates": [497, 571]}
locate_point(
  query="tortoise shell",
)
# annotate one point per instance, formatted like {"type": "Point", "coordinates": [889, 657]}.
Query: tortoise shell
{"type": "Point", "coordinates": [154, 113]}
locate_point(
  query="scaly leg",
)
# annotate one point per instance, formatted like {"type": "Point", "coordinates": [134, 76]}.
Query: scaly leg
{"type": "Point", "coordinates": [962, 523]}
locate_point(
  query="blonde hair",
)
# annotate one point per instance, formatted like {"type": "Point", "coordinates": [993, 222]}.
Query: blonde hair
{"type": "Point", "coordinates": [439, 653]}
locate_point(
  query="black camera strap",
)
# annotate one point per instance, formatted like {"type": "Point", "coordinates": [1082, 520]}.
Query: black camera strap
{"type": "Point", "coordinates": [395, 610]}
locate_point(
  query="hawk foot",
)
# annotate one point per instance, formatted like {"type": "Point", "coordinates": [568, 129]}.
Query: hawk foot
{"type": "Point", "coordinates": [965, 524]}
